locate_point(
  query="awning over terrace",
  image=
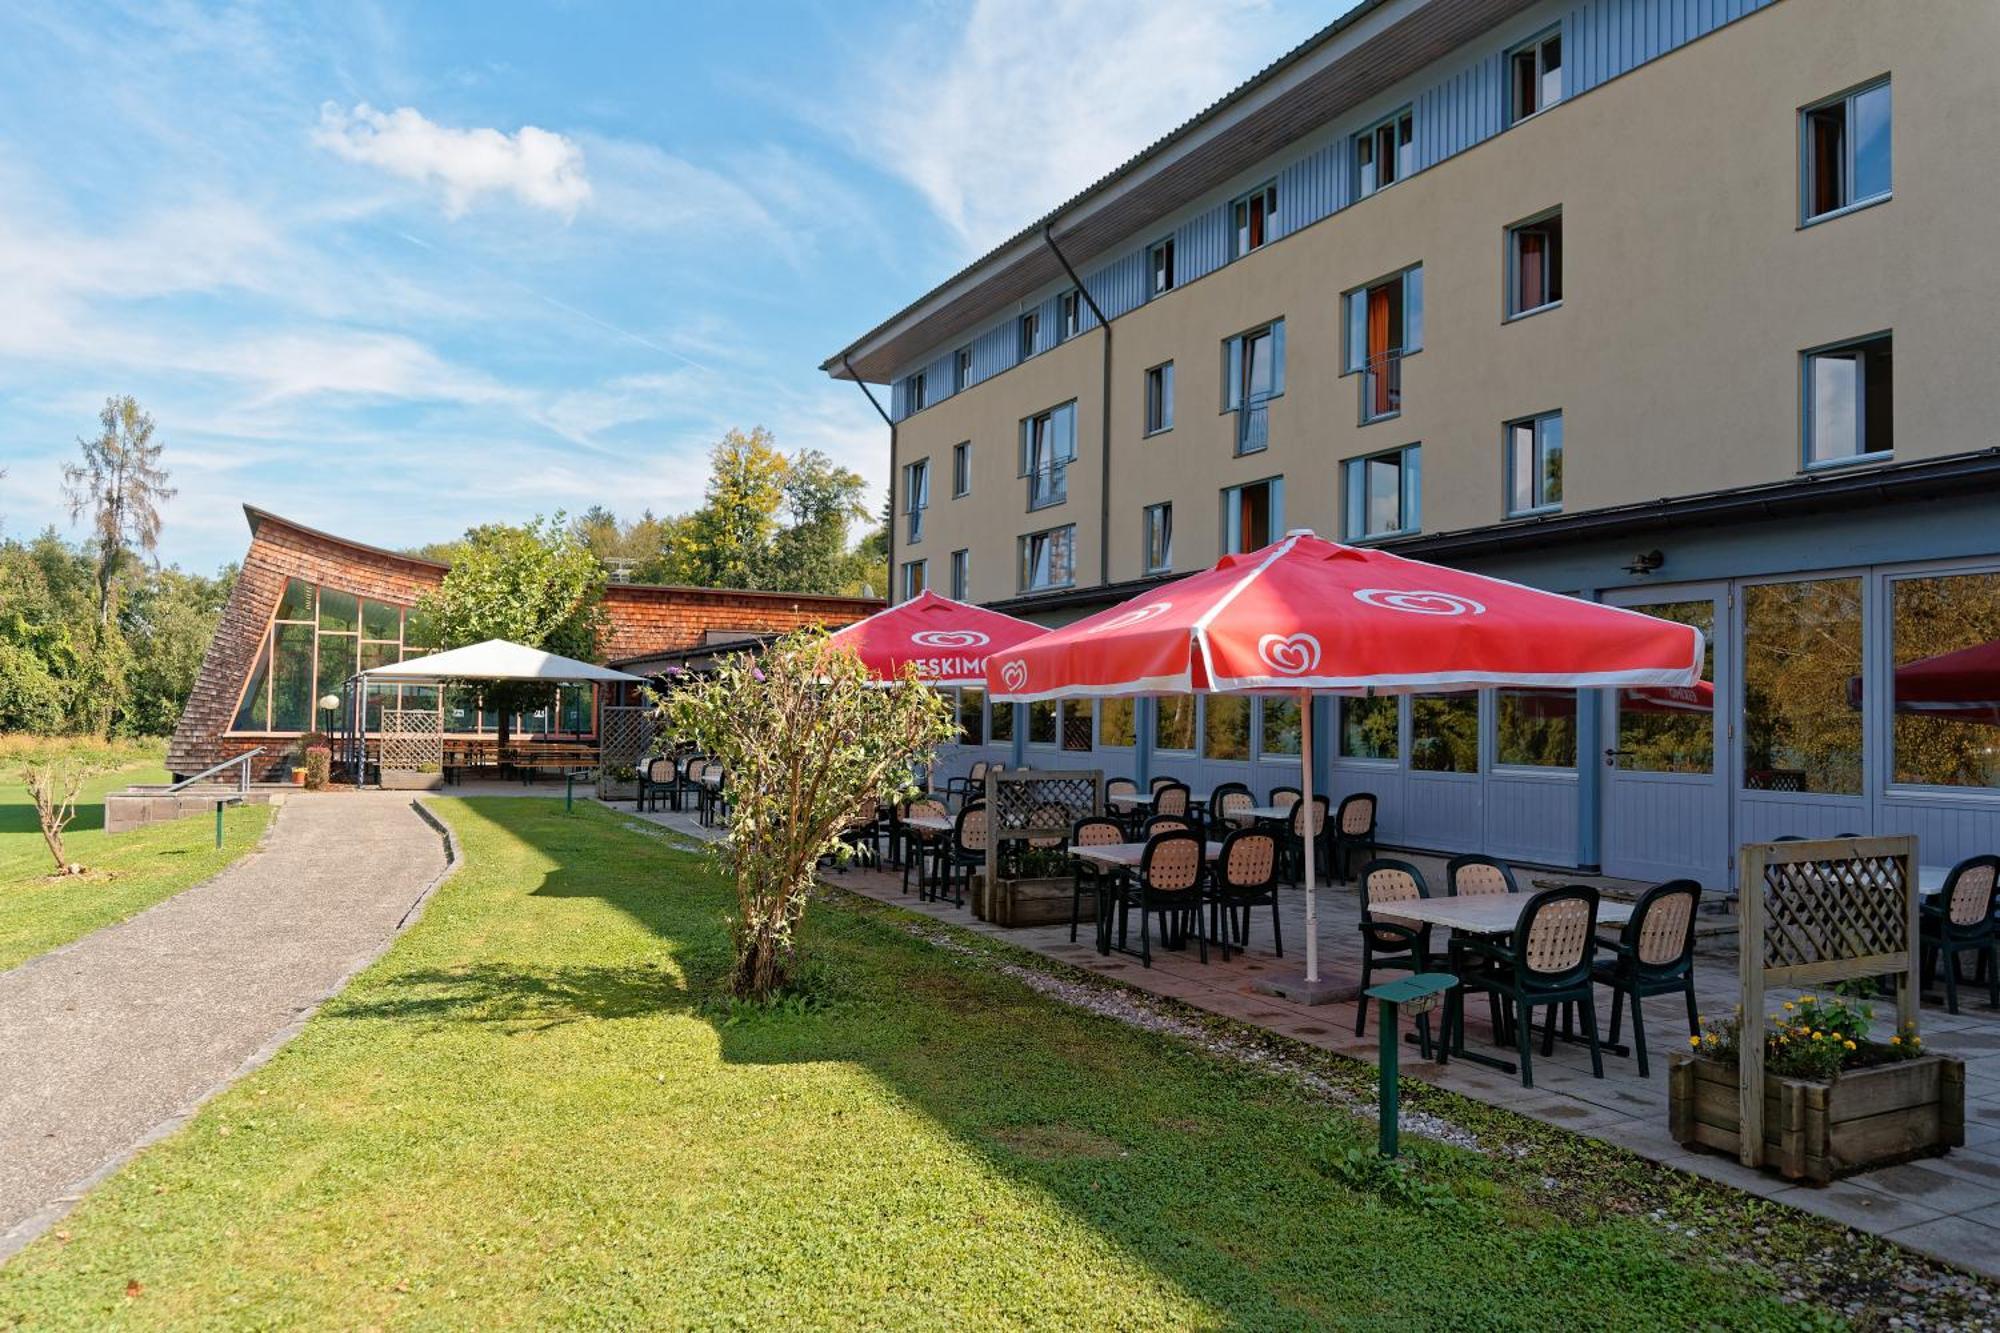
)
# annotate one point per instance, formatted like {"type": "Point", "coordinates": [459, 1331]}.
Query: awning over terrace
{"type": "Point", "coordinates": [498, 659]}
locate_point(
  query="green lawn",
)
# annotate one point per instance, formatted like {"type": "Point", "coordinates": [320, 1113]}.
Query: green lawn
{"type": "Point", "coordinates": [527, 1114]}
{"type": "Point", "coordinates": [128, 873]}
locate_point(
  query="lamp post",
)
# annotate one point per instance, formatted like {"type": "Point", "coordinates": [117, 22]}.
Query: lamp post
{"type": "Point", "coordinates": [329, 704]}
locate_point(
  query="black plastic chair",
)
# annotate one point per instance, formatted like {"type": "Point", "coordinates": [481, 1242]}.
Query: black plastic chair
{"type": "Point", "coordinates": [1158, 824]}
{"type": "Point", "coordinates": [1227, 797]}
{"type": "Point", "coordinates": [972, 786]}
{"type": "Point", "coordinates": [1472, 875]}
{"type": "Point", "coordinates": [1170, 884]}
{"type": "Point", "coordinates": [659, 780]}
{"type": "Point", "coordinates": [1390, 944]}
{"type": "Point", "coordinates": [1093, 831]}
{"type": "Point", "coordinates": [1173, 798]}
{"type": "Point", "coordinates": [1653, 955]}
{"type": "Point", "coordinates": [1351, 829]}
{"type": "Point", "coordinates": [1545, 963]}
{"type": "Point", "coordinates": [1957, 920]}
{"type": "Point", "coordinates": [1245, 875]}
{"type": "Point", "coordinates": [965, 853]}
{"type": "Point", "coordinates": [1296, 830]}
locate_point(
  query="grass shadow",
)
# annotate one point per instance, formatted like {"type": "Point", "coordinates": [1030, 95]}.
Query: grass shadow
{"type": "Point", "coordinates": [520, 996]}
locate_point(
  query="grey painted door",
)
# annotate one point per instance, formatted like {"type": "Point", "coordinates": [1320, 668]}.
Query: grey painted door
{"type": "Point", "coordinates": [1666, 806]}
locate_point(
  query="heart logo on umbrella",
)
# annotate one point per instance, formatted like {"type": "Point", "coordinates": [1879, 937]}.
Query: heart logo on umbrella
{"type": "Point", "coordinates": [1419, 603]}
{"type": "Point", "coordinates": [1015, 674]}
{"type": "Point", "coordinates": [950, 638]}
{"type": "Point", "coordinates": [1289, 654]}
{"type": "Point", "coordinates": [1137, 615]}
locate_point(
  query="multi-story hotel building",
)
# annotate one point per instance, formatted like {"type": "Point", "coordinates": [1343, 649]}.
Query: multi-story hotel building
{"type": "Point", "coordinates": [1687, 305]}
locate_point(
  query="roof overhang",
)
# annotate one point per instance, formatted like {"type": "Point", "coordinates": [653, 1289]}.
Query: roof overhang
{"type": "Point", "coordinates": [1363, 52]}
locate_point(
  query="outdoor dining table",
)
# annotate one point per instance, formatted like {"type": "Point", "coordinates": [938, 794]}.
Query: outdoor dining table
{"type": "Point", "coordinates": [1128, 800]}
{"type": "Point", "coordinates": [1484, 914]}
{"type": "Point", "coordinates": [929, 823]}
{"type": "Point", "coordinates": [1280, 813]}
{"type": "Point", "coordinates": [1128, 855]}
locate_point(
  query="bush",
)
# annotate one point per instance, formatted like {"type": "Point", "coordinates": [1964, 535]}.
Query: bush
{"type": "Point", "coordinates": [31, 700]}
{"type": "Point", "coordinates": [319, 767]}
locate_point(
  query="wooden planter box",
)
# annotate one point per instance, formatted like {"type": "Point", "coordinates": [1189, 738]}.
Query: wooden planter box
{"type": "Point", "coordinates": [1818, 1132]}
{"type": "Point", "coordinates": [610, 789]}
{"type": "Point", "coordinates": [408, 779]}
{"type": "Point", "coordinates": [1023, 902]}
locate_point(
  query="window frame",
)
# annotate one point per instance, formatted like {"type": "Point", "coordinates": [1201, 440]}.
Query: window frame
{"type": "Point", "coordinates": [1162, 512]}
{"type": "Point", "coordinates": [1069, 314]}
{"type": "Point", "coordinates": [1538, 45]}
{"type": "Point", "coordinates": [920, 569]}
{"type": "Point", "coordinates": [1367, 135]}
{"type": "Point", "coordinates": [1409, 494]}
{"type": "Point", "coordinates": [1511, 308]}
{"type": "Point", "coordinates": [1230, 529]}
{"type": "Point", "coordinates": [1844, 99]}
{"type": "Point", "coordinates": [961, 369]}
{"type": "Point", "coordinates": [1025, 544]}
{"type": "Point", "coordinates": [916, 499]}
{"type": "Point", "coordinates": [1158, 250]}
{"type": "Point", "coordinates": [961, 574]}
{"type": "Point", "coordinates": [915, 393]}
{"type": "Point", "coordinates": [1027, 333]}
{"type": "Point", "coordinates": [1807, 463]}
{"type": "Point", "coordinates": [1058, 471]}
{"type": "Point", "coordinates": [961, 469]}
{"type": "Point", "coordinates": [1163, 421]}
{"type": "Point", "coordinates": [1265, 194]}
{"type": "Point", "coordinates": [1538, 443]}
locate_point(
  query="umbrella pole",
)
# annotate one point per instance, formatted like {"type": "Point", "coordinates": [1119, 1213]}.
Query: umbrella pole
{"type": "Point", "coordinates": [1311, 871]}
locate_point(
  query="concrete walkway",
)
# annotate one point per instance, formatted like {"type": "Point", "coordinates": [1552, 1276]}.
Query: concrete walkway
{"type": "Point", "coordinates": [112, 1041]}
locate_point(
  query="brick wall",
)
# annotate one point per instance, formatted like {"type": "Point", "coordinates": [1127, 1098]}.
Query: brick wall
{"type": "Point", "coordinates": [640, 620]}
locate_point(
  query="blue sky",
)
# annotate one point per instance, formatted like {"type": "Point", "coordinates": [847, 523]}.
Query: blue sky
{"type": "Point", "coordinates": [396, 269]}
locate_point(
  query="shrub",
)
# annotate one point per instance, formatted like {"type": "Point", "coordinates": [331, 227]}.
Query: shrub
{"type": "Point", "coordinates": [319, 767]}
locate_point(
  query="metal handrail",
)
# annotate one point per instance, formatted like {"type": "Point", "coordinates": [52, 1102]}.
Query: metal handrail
{"type": "Point", "coordinates": [242, 777]}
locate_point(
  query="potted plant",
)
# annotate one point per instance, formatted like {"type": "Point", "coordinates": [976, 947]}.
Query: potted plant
{"type": "Point", "coordinates": [1835, 1102]}
{"type": "Point", "coordinates": [1035, 887]}
{"type": "Point", "coordinates": [618, 782]}
{"type": "Point", "coordinates": [302, 755]}
{"type": "Point", "coordinates": [424, 777]}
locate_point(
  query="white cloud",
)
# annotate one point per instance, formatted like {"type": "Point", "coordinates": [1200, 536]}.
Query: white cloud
{"type": "Point", "coordinates": [538, 167]}
{"type": "Point", "coordinates": [1031, 100]}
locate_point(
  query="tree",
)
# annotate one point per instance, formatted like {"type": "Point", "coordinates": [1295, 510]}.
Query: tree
{"type": "Point", "coordinates": [870, 573]}
{"type": "Point", "coordinates": [167, 623]}
{"type": "Point", "coordinates": [820, 501]}
{"type": "Point", "coordinates": [726, 543]}
{"type": "Point", "coordinates": [121, 484]}
{"type": "Point", "coordinates": [54, 787]}
{"type": "Point", "coordinates": [535, 584]}
{"type": "Point", "coordinates": [810, 744]}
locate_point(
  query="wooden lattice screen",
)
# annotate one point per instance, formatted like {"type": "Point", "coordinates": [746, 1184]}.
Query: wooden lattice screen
{"type": "Point", "coordinates": [412, 738]}
{"type": "Point", "coordinates": [1036, 803]}
{"type": "Point", "coordinates": [624, 732]}
{"type": "Point", "coordinates": [1813, 914]}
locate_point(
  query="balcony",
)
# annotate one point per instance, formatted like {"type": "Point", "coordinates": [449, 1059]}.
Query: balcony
{"type": "Point", "coordinates": [1382, 386]}
{"type": "Point", "coordinates": [1253, 427]}
{"type": "Point", "coordinates": [1048, 485]}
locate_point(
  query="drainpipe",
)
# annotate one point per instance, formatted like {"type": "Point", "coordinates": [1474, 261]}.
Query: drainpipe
{"type": "Point", "coordinates": [1104, 428]}
{"type": "Point", "coordinates": [888, 593]}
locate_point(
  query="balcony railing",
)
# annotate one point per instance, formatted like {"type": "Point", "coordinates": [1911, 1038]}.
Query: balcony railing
{"type": "Point", "coordinates": [1048, 485]}
{"type": "Point", "coordinates": [1382, 386]}
{"type": "Point", "coordinates": [1253, 427]}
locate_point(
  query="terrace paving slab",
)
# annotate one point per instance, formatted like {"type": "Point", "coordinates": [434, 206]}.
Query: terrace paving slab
{"type": "Point", "coordinates": [111, 1042]}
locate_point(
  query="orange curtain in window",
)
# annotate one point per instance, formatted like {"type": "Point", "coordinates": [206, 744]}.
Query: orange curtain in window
{"type": "Point", "coordinates": [1378, 350]}
{"type": "Point", "coordinates": [1531, 284]}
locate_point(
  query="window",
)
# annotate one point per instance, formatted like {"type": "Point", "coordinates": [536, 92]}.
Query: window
{"type": "Point", "coordinates": [1368, 728]}
{"type": "Point", "coordinates": [1031, 331]}
{"type": "Point", "coordinates": [971, 716]}
{"type": "Point", "coordinates": [1444, 732]}
{"type": "Point", "coordinates": [1535, 728]}
{"type": "Point", "coordinates": [1252, 515]}
{"type": "Point", "coordinates": [1254, 213]}
{"type": "Point", "coordinates": [1664, 732]}
{"type": "Point", "coordinates": [1048, 446]}
{"type": "Point", "coordinates": [1173, 722]}
{"type": "Point", "coordinates": [961, 575]}
{"type": "Point", "coordinates": [1042, 722]}
{"type": "Point", "coordinates": [1383, 493]}
{"type": "Point", "coordinates": [1384, 154]}
{"type": "Point", "coordinates": [1849, 402]}
{"type": "Point", "coordinates": [319, 637]}
{"type": "Point", "coordinates": [916, 495]}
{"type": "Point", "coordinates": [961, 369]}
{"type": "Point", "coordinates": [1253, 373]}
{"type": "Point", "coordinates": [1159, 538]}
{"type": "Point", "coordinates": [1944, 639]}
{"type": "Point", "coordinates": [1844, 152]}
{"type": "Point", "coordinates": [1079, 724]}
{"type": "Point", "coordinates": [1534, 76]}
{"type": "Point", "coordinates": [914, 580]}
{"type": "Point", "coordinates": [1048, 559]}
{"type": "Point", "coordinates": [1385, 323]}
{"type": "Point", "coordinates": [1115, 723]}
{"type": "Point", "coordinates": [961, 469]}
{"type": "Point", "coordinates": [1069, 315]}
{"type": "Point", "coordinates": [1000, 725]}
{"type": "Point", "coordinates": [1225, 727]}
{"type": "Point", "coordinates": [1534, 265]}
{"type": "Point", "coordinates": [1160, 263]}
{"type": "Point", "coordinates": [1801, 683]}
{"type": "Point", "coordinates": [1160, 398]}
{"type": "Point", "coordinates": [913, 393]}
{"type": "Point", "coordinates": [1535, 464]}
{"type": "Point", "coordinates": [1279, 732]}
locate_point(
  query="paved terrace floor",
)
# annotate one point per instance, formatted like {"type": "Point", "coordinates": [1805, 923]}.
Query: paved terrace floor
{"type": "Point", "coordinates": [1947, 1207]}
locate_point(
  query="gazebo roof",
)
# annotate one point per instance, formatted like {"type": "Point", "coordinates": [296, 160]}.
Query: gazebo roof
{"type": "Point", "coordinates": [498, 659]}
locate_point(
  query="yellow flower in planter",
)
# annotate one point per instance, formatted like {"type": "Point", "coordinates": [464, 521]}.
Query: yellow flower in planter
{"type": "Point", "coordinates": [1695, 1042]}
{"type": "Point", "coordinates": [1895, 1041]}
{"type": "Point", "coordinates": [1849, 1044]}
{"type": "Point", "coordinates": [1789, 1006]}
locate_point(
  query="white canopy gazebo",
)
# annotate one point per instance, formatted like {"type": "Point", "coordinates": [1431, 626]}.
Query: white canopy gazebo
{"type": "Point", "coordinates": [495, 660]}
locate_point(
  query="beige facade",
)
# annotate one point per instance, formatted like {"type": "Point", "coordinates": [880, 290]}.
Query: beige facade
{"type": "Point", "coordinates": [1690, 291]}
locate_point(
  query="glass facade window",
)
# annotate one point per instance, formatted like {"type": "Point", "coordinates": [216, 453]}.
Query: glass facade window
{"type": "Point", "coordinates": [1444, 732]}
{"type": "Point", "coordinates": [1535, 464]}
{"type": "Point", "coordinates": [1279, 728]}
{"type": "Point", "coordinates": [961, 369]}
{"type": "Point", "coordinates": [1252, 515]}
{"type": "Point", "coordinates": [1173, 722]}
{"type": "Point", "coordinates": [1384, 154]}
{"type": "Point", "coordinates": [1225, 727]}
{"type": "Point", "coordinates": [1115, 725]}
{"type": "Point", "coordinates": [1042, 722]}
{"type": "Point", "coordinates": [916, 577]}
{"type": "Point", "coordinates": [1159, 538]}
{"type": "Point", "coordinates": [1534, 265]}
{"type": "Point", "coordinates": [1160, 398]}
{"type": "Point", "coordinates": [1254, 213]}
{"type": "Point", "coordinates": [1534, 76]}
{"type": "Point", "coordinates": [1000, 725]}
{"type": "Point", "coordinates": [1844, 159]}
{"type": "Point", "coordinates": [961, 469]}
{"type": "Point", "coordinates": [1849, 402]}
{"type": "Point", "coordinates": [1802, 666]}
{"type": "Point", "coordinates": [1048, 446]}
{"type": "Point", "coordinates": [1945, 643]}
{"type": "Point", "coordinates": [1160, 262]}
{"type": "Point", "coordinates": [1069, 316]}
{"type": "Point", "coordinates": [1535, 728]}
{"type": "Point", "coordinates": [1384, 493]}
{"type": "Point", "coordinates": [1079, 724]}
{"type": "Point", "coordinates": [1048, 559]}
{"type": "Point", "coordinates": [1668, 731]}
{"type": "Point", "coordinates": [1030, 333]}
{"type": "Point", "coordinates": [971, 716]}
{"type": "Point", "coordinates": [916, 495]}
{"type": "Point", "coordinates": [1368, 728]}
{"type": "Point", "coordinates": [961, 574]}
{"type": "Point", "coordinates": [1253, 373]}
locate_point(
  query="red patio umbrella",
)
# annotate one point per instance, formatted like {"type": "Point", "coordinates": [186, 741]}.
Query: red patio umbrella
{"type": "Point", "coordinates": [947, 640]}
{"type": "Point", "coordinates": [1305, 615]}
{"type": "Point", "coordinates": [1963, 685]}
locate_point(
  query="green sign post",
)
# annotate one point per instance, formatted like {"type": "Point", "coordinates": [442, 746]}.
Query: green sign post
{"type": "Point", "coordinates": [1417, 994]}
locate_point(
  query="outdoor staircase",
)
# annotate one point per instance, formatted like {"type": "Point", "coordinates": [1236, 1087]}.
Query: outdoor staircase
{"type": "Point", "coordinates": [152, 803]}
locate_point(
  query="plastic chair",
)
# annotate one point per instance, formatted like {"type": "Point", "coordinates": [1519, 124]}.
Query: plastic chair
{"type": "Point", "coordinates": [1092, 831]}
{"type": "Point", "coordinates": [1959, 919]}
{"type": "Point", "coordinates": [1245, 875]}
{"type": "Point", "coordinates": [1390, 944]}
{"type": "Point", "coordinates": [1653, 955]}
{"type": "Point", "coordinates": [1546, 962]}
{"type": "Point", "coordinates": [1353, 829]}
{"type": "Point", "coordinates": [1471, 876]}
